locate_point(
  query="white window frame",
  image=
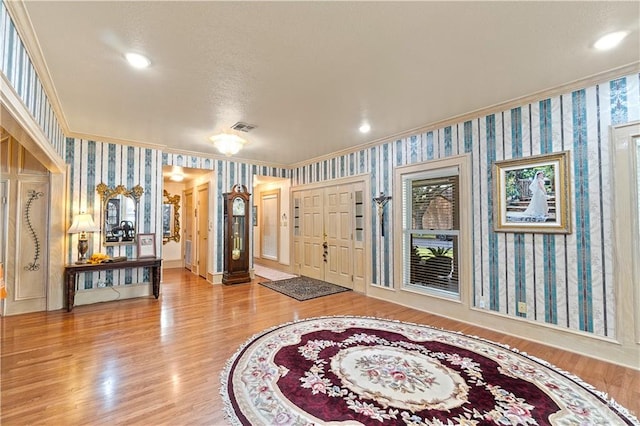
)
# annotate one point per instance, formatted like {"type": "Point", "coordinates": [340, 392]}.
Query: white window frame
{"type": "Point", "coordinates": [459, 165]}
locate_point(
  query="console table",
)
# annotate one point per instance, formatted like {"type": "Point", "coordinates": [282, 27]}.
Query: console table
{"type": "Point", "coordinates": [72, 270]}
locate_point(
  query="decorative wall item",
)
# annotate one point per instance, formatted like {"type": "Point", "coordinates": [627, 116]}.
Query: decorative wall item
{"type": "Point", "coordinates": [33, 195]}
{"type": "Point", "coordinates": [170, 218]}
{"type": "Point", "coordinates": [532, 193]}
{"type": "Point", "coordinates": [381, 202]}
{"type": "Point", "coordinates": [146, 245]}
{"type": "Point", "coordinates": [120, 213]}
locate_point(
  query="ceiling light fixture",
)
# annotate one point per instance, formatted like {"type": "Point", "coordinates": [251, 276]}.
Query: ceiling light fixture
{"type": "Point", "coordinates": [177, 174]}
{"type": "Point", "coordinates": [137, 60]}
{"type": "Point", "coordinates": [365, 128]}
{"type": "Point", "coordinates": [228, 143]}
{"type": "Point", "coordinates": [610, 40]}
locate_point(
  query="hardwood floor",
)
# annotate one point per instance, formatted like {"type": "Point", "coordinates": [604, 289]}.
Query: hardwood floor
{"type": "Point", "coordinates": [147, 361]}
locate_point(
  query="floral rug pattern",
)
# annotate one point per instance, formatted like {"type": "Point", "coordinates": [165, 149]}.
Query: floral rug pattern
{"type": "Point", "coordinates": [355, 370]}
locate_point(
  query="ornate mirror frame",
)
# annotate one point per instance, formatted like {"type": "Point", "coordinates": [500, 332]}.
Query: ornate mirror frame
{"type": "Point", "coordinates": [116, 229]}
{"type": "Point", "coordinates": [170, 218]}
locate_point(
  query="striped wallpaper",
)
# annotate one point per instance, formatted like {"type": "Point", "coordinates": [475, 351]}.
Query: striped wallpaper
{"type": "Point", "coordinates": [564, 279]}
{"type": "Point", "coordinates": [95, 162]}
{"type": "Point", "coordinates": [16, 66]}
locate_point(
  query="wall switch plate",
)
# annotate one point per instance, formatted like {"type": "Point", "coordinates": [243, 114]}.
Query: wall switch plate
{"type": "Point", "coordinates": [522, 308]}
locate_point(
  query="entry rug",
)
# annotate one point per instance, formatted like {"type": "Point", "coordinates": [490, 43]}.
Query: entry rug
{"type": "Point", "coordinates": [304, 288]}
{"type": "Point", "coordinates": [353, 370]}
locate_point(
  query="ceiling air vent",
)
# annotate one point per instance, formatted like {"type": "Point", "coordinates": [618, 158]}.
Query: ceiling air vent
{"type": "Point", "coordinates": [243, 127]}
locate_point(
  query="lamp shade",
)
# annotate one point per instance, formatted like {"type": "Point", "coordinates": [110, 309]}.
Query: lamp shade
{"type": "Point", "coordinates": [82, 222]}
{"type": "Point", "coordinates": [228, 143]}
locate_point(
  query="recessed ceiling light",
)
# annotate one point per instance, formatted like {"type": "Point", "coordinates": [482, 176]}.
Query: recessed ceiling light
{"type": "Point", "coordinates": [610, 41]}
{"type": "Point", "coordinates": [137, 60]}
{"type": "Point", "coordinates": [365, 128]}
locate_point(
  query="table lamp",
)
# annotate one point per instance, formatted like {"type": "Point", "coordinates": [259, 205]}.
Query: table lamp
{"type": "Point", "coordinates": [82, 223]}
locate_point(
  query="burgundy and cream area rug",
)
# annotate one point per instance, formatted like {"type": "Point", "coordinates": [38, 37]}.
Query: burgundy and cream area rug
{"type": "Point", "coordinates": [354, 370]}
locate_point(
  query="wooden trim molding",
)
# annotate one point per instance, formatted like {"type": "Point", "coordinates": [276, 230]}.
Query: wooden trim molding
{"type": "Point", "coordinates": [491, 109]}
{"type": "Point", "coordinates": [17, 120]}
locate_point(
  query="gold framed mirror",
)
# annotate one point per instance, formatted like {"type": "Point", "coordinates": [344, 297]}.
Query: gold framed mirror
{"type": "Point", "coordinates": [119, 213]}
{"type": "Point", "coordinates": [170, 218]}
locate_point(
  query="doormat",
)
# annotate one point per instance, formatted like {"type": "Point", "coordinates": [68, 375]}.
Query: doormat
{"type": "Point", "coordinates": [304, 288]}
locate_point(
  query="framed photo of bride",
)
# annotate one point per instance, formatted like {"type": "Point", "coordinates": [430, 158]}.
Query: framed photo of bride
{"type": "Point", "coordinates": [531, 194]}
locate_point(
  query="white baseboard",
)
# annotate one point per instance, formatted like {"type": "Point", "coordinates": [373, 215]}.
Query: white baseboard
{"type": "Point", "coordinates": [173, 263]}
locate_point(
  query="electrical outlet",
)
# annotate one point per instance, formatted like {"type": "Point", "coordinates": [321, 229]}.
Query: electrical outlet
{"type": "Point", "coordinates": [522, 308]}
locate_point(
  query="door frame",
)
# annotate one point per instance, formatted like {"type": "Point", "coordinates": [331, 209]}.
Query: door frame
{"type": "Point", "coordinates": [187, 226]}
{"type": "Point", "coordinates": [202, 233]}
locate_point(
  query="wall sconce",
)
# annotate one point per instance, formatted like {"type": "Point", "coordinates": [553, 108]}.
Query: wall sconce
{"type": "Point", "coordinates": [82, 223]}
{"type": "Point", "coordinates": [228, 143]}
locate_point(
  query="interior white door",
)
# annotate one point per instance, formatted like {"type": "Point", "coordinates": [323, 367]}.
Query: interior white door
{"type": "Point", "coordinates": [203, 230]}
{"type": "Point", "coordinates": [269, 227]}
{"type": "Point", "coordinates": [189, 214]}
{"type": "Point", "coordinates": [26, 205]}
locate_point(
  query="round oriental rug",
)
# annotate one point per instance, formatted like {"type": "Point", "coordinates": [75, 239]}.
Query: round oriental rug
{"type": "Point", "coordinates": [353, 370]}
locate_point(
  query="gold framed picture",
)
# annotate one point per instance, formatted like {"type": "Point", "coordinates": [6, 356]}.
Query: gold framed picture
{"type": "Point", "coordinates": [531, 194]}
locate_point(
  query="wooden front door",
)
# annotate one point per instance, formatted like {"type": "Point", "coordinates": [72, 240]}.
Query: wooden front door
{"type": "Point", "coordinates": [339, 235]}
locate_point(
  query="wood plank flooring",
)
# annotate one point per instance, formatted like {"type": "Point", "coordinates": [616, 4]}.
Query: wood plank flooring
{"type": "Point", "coordinates": [149, 362]}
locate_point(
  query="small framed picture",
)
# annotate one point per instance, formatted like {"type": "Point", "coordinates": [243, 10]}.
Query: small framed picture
{"type": "Point", "coordinates": [146, 245]}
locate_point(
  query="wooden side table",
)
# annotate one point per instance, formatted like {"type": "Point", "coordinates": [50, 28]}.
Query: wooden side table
{"type": "Point", "coordinates": [71, 271]}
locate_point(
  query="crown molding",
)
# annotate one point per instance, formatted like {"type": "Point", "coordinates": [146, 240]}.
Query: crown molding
{"type": "Point", "coordinates": [631, 68]}
{"type": "Point", "coordinates": [19, 122]}
{"type": "Point", "coordinates": [117, 141]}
{"type": "Point", "coordinates": [233, 159]}
{"type": "Point", "coordinates": [18, 13]}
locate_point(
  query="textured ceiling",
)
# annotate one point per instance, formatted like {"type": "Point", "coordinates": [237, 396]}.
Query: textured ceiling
{"type": "Point", "coordinates": [307, 73]}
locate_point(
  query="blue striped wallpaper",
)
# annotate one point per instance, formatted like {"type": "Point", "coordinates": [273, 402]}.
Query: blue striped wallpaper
{"type": "Point", "coordinates": [564, 279]}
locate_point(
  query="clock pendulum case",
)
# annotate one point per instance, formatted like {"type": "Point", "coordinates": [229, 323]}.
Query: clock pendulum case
{"type": "Point", "coordinates": [236, 236]}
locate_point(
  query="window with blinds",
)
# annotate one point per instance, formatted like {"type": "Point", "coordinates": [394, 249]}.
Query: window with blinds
{"type": "Point", "coordinates": [431, 227]}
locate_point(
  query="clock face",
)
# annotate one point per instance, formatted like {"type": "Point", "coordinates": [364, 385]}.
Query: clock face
{"type": "Point", "coordinates": [238, 207]}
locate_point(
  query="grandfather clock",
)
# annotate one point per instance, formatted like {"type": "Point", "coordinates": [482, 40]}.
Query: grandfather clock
{"type": "Point", "coordinates": [236, 235]}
